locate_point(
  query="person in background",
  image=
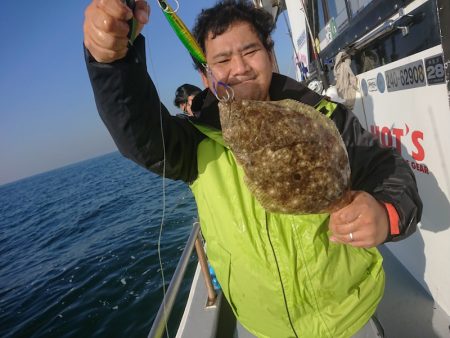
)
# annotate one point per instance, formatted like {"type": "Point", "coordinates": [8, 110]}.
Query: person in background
{"type": "Point", "coordinates": [311, 276]}
{"type": "Point", "coordinates": [184, 96]}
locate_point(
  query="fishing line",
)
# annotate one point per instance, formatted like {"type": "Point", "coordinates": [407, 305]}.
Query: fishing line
{"type": "Point", "coordinates": [161, 268]}
{"type": "Point", "coordinates": [168, 11]}
{"type": "Point", "coordinates": [191, 44]}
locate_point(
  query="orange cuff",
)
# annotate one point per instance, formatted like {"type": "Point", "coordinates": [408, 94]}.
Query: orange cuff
{"type": "Point", "coordinates": [393, 219]}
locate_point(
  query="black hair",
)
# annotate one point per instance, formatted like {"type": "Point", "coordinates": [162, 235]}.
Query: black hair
{"type": "Point", "coordinates": [183, 92]}
{"type": "Point", "coordinates": [216, 20]}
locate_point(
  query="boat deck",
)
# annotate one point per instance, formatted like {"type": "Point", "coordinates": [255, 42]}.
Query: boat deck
{"type": "Point", "coordinates": [406, 309]}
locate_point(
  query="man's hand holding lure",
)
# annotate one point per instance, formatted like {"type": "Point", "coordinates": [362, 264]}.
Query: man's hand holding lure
{"type": "Point", "coordinates": [107, 29]}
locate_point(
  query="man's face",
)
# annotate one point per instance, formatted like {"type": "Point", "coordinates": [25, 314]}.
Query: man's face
{"type": "Point", "coordinates": [186, 107]}
{"type": "Point", "coordinates": [237, 57]}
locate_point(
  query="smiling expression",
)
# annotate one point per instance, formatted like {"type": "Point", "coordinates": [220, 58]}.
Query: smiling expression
{"type": "Point", "coordinates": [238, 57]}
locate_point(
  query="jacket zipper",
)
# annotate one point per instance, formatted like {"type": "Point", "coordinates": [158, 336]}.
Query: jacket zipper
{"type": "Point", "coordinates": [279, 275]}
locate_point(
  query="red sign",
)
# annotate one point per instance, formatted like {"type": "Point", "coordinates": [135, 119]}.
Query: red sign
{"type": "Point", "coordinates": [392, 137]}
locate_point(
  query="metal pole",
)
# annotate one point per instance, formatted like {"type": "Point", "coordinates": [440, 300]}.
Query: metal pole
{"type": "Point", "coordinates": [165, 309]}
{"type": "Point", "coordinates": [317, 59]}
{"type": "Point", "coordinates": [212, 296]}
{"type": "Point", "coordinates": [297, 61]}
{"type": "Point", "coordinates": [349, 10]}
{"type": "Point", "coordinates": [444, 27]}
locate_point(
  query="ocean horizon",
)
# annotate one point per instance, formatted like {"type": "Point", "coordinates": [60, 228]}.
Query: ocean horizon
{"type": "Point", "coordinates": [62, 166]}
{"type": "Point", "coordinates": [78, 248]}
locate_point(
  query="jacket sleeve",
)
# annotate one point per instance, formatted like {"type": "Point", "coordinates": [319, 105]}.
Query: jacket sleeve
{"type": "Point", "coordinates": [141, 126]}
{"type": "Point", "coordinates": [380, 171]}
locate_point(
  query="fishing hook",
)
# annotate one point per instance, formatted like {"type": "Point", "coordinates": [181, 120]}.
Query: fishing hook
{"type": "Point", "coordinates": [229, 92]}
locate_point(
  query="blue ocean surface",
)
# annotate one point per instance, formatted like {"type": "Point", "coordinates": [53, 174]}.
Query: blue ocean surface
{"type": "Point", "coordinates": [78, 250]}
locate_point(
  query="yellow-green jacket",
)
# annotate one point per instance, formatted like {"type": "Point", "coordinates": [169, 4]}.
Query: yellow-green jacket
{"type": "Point", "coordinates": [280, 273]}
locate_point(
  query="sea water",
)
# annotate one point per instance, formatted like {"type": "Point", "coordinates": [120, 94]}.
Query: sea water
{"type": "Point", "coordinates": [78, 250]}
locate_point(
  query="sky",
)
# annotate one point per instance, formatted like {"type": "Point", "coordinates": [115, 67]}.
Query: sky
{"type": "Point", "coordinates": [48, 117]}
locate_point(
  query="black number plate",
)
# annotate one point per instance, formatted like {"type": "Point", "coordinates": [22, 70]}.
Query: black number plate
{"type": "Point", "coordinates": [435, 70]}
{"type": "Point", "coordinates": [408, 76]}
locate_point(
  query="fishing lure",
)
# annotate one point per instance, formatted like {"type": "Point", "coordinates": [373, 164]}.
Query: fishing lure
{"type": "Point", "coordinates": [187, 39]}
{"type": "Point", "coordinates": [182, 31]}
{"type": "Point", "coordinates": [131, 23]}
{"type": "Point", "coordinates": [191, 44]}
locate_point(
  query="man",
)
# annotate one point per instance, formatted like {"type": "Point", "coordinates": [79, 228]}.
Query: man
{"type": "Point", "coordinates": [283, 275]}
{"type": "Point", "coordinates": [184, 96]}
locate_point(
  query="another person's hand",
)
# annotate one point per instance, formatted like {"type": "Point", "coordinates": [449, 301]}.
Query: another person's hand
{"type": "Point", "coordinates": [363, 223]}
{"type": "Point", "coordinates": [106, 27]}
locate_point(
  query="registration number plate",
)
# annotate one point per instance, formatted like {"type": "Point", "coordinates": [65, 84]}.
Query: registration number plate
{"type": "Point", "coordinates": [408, 76]}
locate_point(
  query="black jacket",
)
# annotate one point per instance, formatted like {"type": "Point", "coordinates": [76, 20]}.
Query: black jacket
{"type": "Point", "coordinates": [143, 129]}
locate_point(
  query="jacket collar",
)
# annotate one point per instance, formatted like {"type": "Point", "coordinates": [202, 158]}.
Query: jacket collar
{"type": "Point", "coordinates": [281, 87]}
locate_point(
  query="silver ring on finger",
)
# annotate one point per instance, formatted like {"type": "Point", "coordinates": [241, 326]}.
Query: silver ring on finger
{"type": "Point", "coordinates": [351, 236]}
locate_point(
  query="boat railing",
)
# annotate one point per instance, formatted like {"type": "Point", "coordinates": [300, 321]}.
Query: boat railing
{"type": "Point", "coordinates": [165, 309]}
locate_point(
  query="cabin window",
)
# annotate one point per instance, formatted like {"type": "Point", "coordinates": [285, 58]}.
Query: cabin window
{"type": "Point", "coordinates": [330, 17]}
{"type": "Point", "coordinates": [318, 16]}
{"type": "Point", "coordinates": [423, 34]}
{"type": "Point", "coordinates": [357, 5]}
{"type": "Point", "coordinates": [337, 11]}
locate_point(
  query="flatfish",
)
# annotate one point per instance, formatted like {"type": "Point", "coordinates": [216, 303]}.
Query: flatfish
{"type": "Point", "coordinates": [293, 156]}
